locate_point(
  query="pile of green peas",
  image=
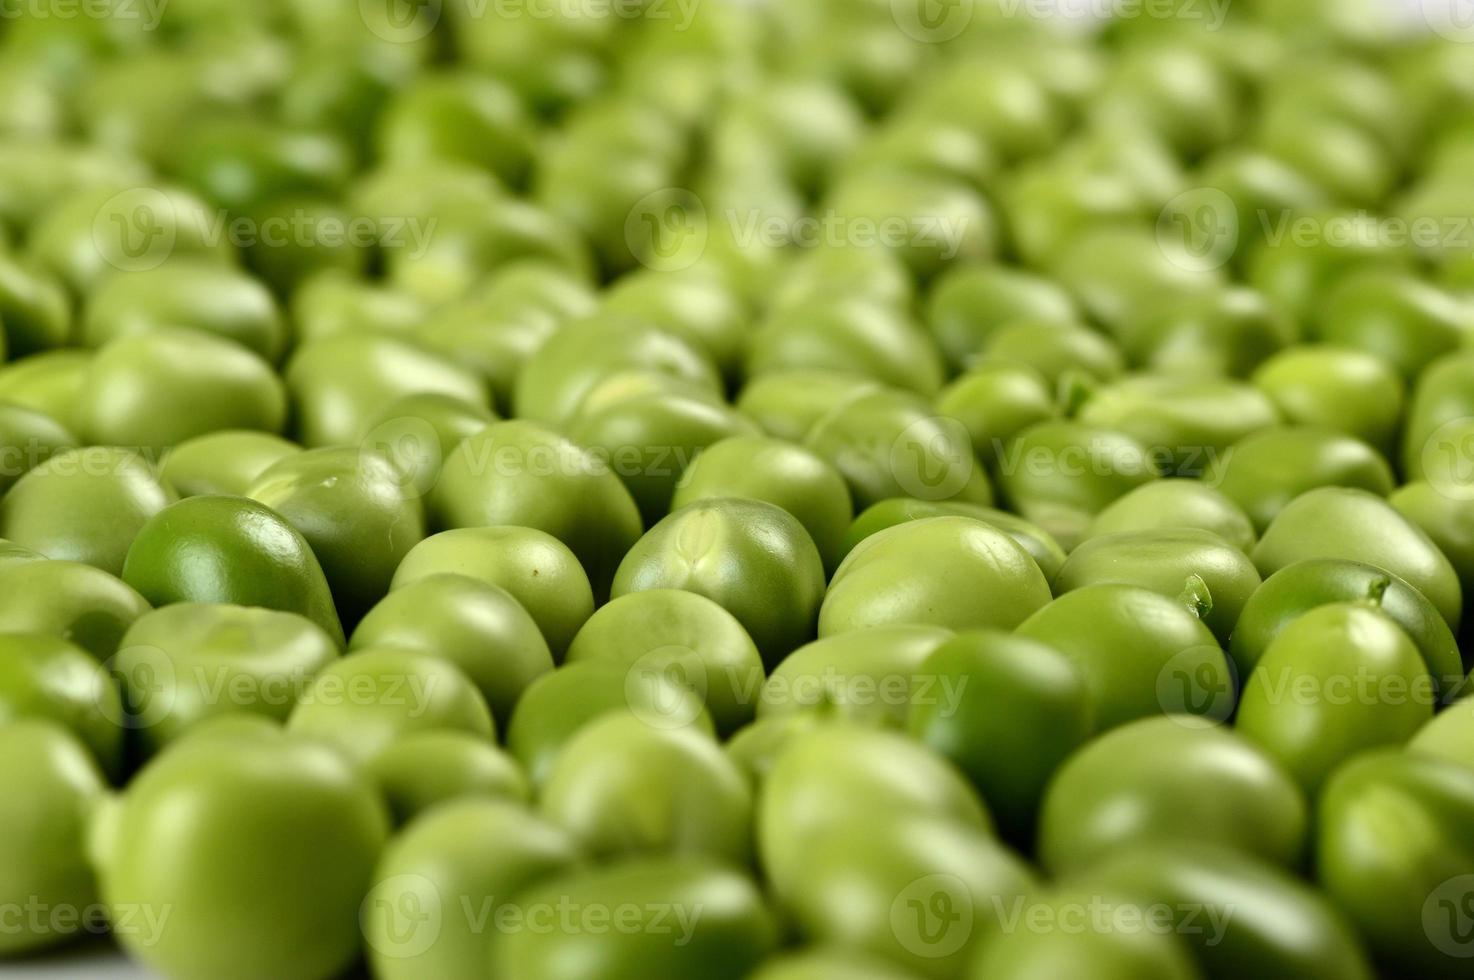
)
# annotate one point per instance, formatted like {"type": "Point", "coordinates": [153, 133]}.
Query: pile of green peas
{"type": "Point", "coordinates": [840, 490]}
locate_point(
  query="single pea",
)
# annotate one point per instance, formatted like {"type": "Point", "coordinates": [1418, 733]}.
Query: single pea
{"type": "Point", "coordinates": [945, 571]}
{"type": "Point", "coordinates": [1335, 153]}
{"type": "Point", "coordinates": [829, 963]}
{"type": "Point", "coordinates": [1048, 204]}
{"type": "Point", "coordinates": [1330, 387]}
{"type": "Point", "coordinates": [1055, 349]}
{"type": "Point", "coordinates": [1259, 184]}
{"type": "Point", "coordinates": [229, 549]}
{"type": "Point", "coordinates": [1227, 333]}
{"type": "Point", "coordinates": [458, 116]}
{"type": "Point", "coordinates": [168, 385]}
{"type": "Point", "coordinates": [1406, 892]}
{"type": "Point", "coordinates": [995, 402]}
{"type": "Point", "coordinates": [282, 832]}
{"type": "Point", "coordinates": [84, 505]}
{"type": "Point", "coordinates": [1176, 504]}
{"type": "Point", "coordinates": [54, 787]}
{"type": "Point", "coordinates": [1177, 92]}
{"type": "Point", "coordinates": [1433, 437]}
{"type": "Point", "coordinates": [893, 444]}
{"type": "Point", "coordinates": [1140, 652]}
{"type": "Point", "coordinates": [536, 568]}
{"type": "Point", "coordinates": [421, 771]}
{"type": "Point", "coordinates": [1338, 680]}
{"type": "Point", "coordinates": [223, 462]}
{"type": "Point", "coordinates": [367, 700]}
{"type": "Point", "coordinates": [242, 163]}
{"type": "Point", "coordinates": [810, 127]}
{"type": "Point", "coordinates": [78, 603]}
{"type": "Point", "coordinates": [1240, 915]}
{"type": "Point", "coordinates": [970, 302]}
{"type": "Point", "coordinates": [460, 866]}
{"type": "Point", "coordinates": [340, 384]}
{"type": "Point", "coordinates": [1448, 519]}
{"type": "Point", "coordinates": [788, 404]}
{"type": "Point", "coordinates": [34, 308]}
{"type": "Point", "coordinates": [695, 305]}
{"type": "Point", "coordinates": [29, 438]}
{"type": "Point", "coordinates": [330, 303]}
{"type": "Point", "coordinates": [199, 294]}
{"type": "Point", "coordinates": [1315, 525]}
{"type": "Point", "coordinates": [520, 473]}
{"type": "Point", "coordinates": [1305, 585]}
{"type": "Point", "coordinates": [479, 627]}
{"type": "Point", "coordinates": [1003, 101]}
{"type": "Point", "coordinates": [682, 917]}
{"type": "Point", "coordinates": [869, 676]}
{"type": "Point", "coordinates": [1040, 545]}
{"type": "Point", "coordinates": [1450, 735]}
{"type": "Point", "coordinates": [752, 558]}
{"type": "Point", "coordinates": [49, 382]}
{"type": "Point", "coordinates": [1396, 317]}
{"type": "Point", "coordinates": [301, 236]}
{"type": "Point", "coordinates": [45, 677]}
{"type": "Point", "coordinates": [872, 274]}
{"type": "Point", "coordinates": [849, 337]}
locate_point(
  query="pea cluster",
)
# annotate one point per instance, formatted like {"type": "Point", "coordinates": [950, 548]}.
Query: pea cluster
{"type": "Point", "coordinates": [737, 489]}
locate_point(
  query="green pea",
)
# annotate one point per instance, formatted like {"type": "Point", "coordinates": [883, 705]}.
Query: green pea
{"type": "Point", "coordinates": [14, 554]}
{"type": "Point", "coordinates": [34, 308]}
{"type": "Point", "coordinates": [1406, 893]}
{"type": "Point", "coordinates": [752, 558]}
{"type": "Point", "coordinates": [1343, 390]}
{"type": "Point", "coordinates": [946, 571]}
{"type": "Point", "coordinates": [869, 273]}
{"type": "Point", "coordinates": [281, 831]}
{"type": "Point", "coordinates": [78, 603]}
{"type": "Point", "coordinates": [936, 147]}
{"type": "Point", "coordinates": [223, 462]}
{"type": "Point", "coordinates": [694, 305]}
{"type": "Point", "coordinates": [970, 302]}
{"type": "Point", "coordinates": [421, 771]}
{"type": "Point", "coordinates": [1118, 273]}
{"type": "Point", "coordinates": [45, 677]}
{"type": "Point", "coordinates": [829, 963]}
{"type": "Point", "coordinates": [229, 549]}
{"type": "Point", "coordinates": [1339, 680]}
{"type": "Point", "coordinates": [1441, 400]}
{"type": "Point", "coordinates": [536, 568]}
{"type": "Point", "coordinates": [848, 337]}
{"type": "Point", "coordinates": [1394, 316]}
{"type": "Point", "coordinates": [1314, 525]}
{"type": "Point", "coordinates": [1450, 735]}
{"type": "Point", "coordinates": [1175, 504]}
{"type": "Point", "coordinates": [461, 117]}
{"type": "Point", "coordinates": [49, 382]}
{"type": "Point", "coordinates": [240, 164]}
{"type": "Point", "coordinates": [1304, 585]}
{"type": "Point", "coordinates": [199, 294]}
{"type": "Point", "coordinates": [682, 916]}
{"type": "Point", "coordinates": [810, 128]}
{"type": "Point", "coordinates": [788, 404]}
{"type": "Point", "coordinates": [1048, 205]}
{"type": "Point", "coordinates": [330, 303]}
{"type": "Point", "coordinates": [995, 402]}
{"type": "Point", "coordinates": [27, 439]}
{"type": "Point", "coordinates": [1227, 333]}
{"type": "Point", "coordinates": [459, 866]}
{"type": "Point", "coordinates": [1141, 653]}
{"type": "Point", "coordinates": [1259, 184]}
{"type": "Point", "coordinates": [1448, 519]}
{"type": "Point", "coordinates": [295, 238]}
{"type": "Point", "coordinates": [1197, 110]}
{"type": "Point", "coordinates": [1303, 254]}
{"type": "Point", "coordinates": [84, 505]}
{"type": "Point", "coordinates": [1337, 154]}
{"type": "Point", "coordinates": [1002, 101]}
{"type": "Point", "coordinates": [1055, 349]}
{"type": "Point", "coordinates": [865, 676]}
{"type": "Point", "coordinates": [1040, 545]}
{"type": "Point", "coordinates": [54, 786]}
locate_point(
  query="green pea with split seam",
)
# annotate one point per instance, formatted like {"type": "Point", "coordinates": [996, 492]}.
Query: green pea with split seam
{"type": "Point", "coordinates": [49, 382]}
{"type": "Point", "coordinates": [1176, 503]}
{"type": "Point", "coordinates": [1441, 401]}
{"type": "Point", "coordinates": [84, 505]}
{"type": "Point", "coordinates": [14, 554]}
{"type": "Point", "coordinates": [522, 474]}
{"type": "Point", "coordinates": [970, 302]}
{"type": "Point", "coordinates": [55, 786]}
{"type": "Point", "coordinates": [945, 571]}
{"type": "Point", "coordinates": [1395, 316]}
{"type": "Point", "coordinates": [870, 676]}
{"type": "Point", "coordinates": [78, 603]}
{"type": "Point", "coordinates": [1448, 519]}
{"type": "Point", "coordinates": [460, 866]}
{"type": "Point", "coordinates": [260, 848]}
{"type": "Point", "coordinates": [479, 627]}
{"type": "Point", "coordinates": [536, 568]}
{"type": "Point", "coordinates": [788, 404]}
{"type": "Point", "coordinates": [1343, 390]}
{"type": "Point", "coordinates": [849, 337]}
{"type": "Point", "coordinates": [829, 963]}
{"type": "Point", "coordinates": [1339, 680]}
{"type": "Point", "coordinates": [1407, 892]}
{"type": "Point", "coordinates": [421, 771]}
{"type": "Point", "coordinates": [1055, 349]}
{"type": "Point", "coordinates": [34, 309]}
{"type": "Point", "coordinates": [1040, 545]}
{"type": "Point", "coordinates": [230, 549]}
{"type": "Point", "coordinates": [224, 462]}
{"type": "Point", "coordinates": [995, 402]}
{"type": "Point", "coordinates": [45, 677]}
{"type": "Point", "coordinates": [28, 438]}
{"type": "Point", "coordinates": [1141, 653]}
{"type": "Point", "coordinates": [752, 558]}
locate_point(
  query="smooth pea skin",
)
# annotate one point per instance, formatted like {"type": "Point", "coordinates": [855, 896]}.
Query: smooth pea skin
{"type": "Point", "coordinates": [777, 472]}
{"type": "Point", "coordinates": [1162, 561]}
{"type": "Point", "coordinates": [1394, 315]}
{"type": "Point", "coordinates": [1407, 892]}
{"type": "Point", "coordinates": [1450, 735]}
{"type": "Point", "coordinates": [53, 787]}
{"type": "Point", "coordinates": [1348, 391]}
{"type": "Point", "coordinates": [479, 627]}
{"type": "Point", "coordinates": [1442, 403]}
{"type": "Point", "coordinates": [48, 678]}
{"type": "Point", "coordinates": [536, 568]}
{"type": "Point", "coordinates": [683, 917]}
{"type": "Point", "coordinates": [418, 432]}
{"type": "Point", "coordinates": [1339, 680]}
{"type": "Point", "coordinates": [420, 771]}
{"type": "Point", "coordinates": [1141, 653]}
{"type": "Point", "coordinates": [1176, 503]}
{"type": "Point", "coordinates": [1317, 525]}
{"type": "Point", "coordinates": [368, 699]}
{"type": "Point", "coordinates": [1448, 519]}
{"type": "Point", "coordinates": [619, 772]}
{"type": "Point", "coordinates": [1055, 350]}
{"type": "Point", "coordinates": [968, 303]}
{"type": "Point", "coordinates": [945, 571]}
{"type": "Point", "coordinates": [1296, 589]}
{"type": "Point", "coordinates": [470, 854]}
{"type": "Point", "coordinates": [1038, 542]}
{"type": "Point", "coordinates": [849, 335]}
{"type": "Point", "coordinates": [28, 438]}
{"type": "Point", "coordinates": [864, 676]}
{"type": "Point", "coordinates": [995, 402]}
{"type": "Point", "coordinates": [192, 661]}
{"type": "Point", "coordinates": [1242, 917]}
{"type": "Point", "coordinates": [225, 462]}
{"type": "Point", "coordinates": [79, 603]}
{"type": "Point", "coordinates": [49, 382]}
{"type": "Point", "coordinates": [752, 558]}
{"type": "Point", "coordinates": [1217, 334]}
{"type": "Point", "coordinates": [829, 963]}
{"type": "Point", "coordinates": [1171, 779]}
{"type": "Point", "coordinates": [84, 505]}
{"type": "Point", "coordinates": [788, 404]}
{"type": "Point", "coordinates": [229, 549]}
{"type": "Point", "coordinates": [33, 308]}
{"type": "Point", "coordinates": [520, 473]}
{"type": "Point", "coordinates": [1007, 711]}
{"type": "Point", "coordinates": [261, 848]}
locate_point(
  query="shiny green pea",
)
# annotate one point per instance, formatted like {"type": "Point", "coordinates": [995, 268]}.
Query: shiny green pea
{"type": "Point", "coordinates": [1448, 519]}
{"type": "Point", "coordinates": [1228, 333]}
{"type": "Point", "coordinates": [1397, 317]}
{"type": "Point", "coordinates": [1176, 504]}
{"type": "Point", "coordinates": [1343, 390]}
{"type": "Point", "coordinates": [848, 337]}
{"type": "Point", "coordinates": [995, 402]}
{"type": "Point", "coordinates": [788, 404]}
{"type": "Point", "coordinates": [969, 303]}
{"type": "Point", "coordinates": [45, 677]}
{"type": "Point", "coordinates": [422, 771]}
{"type": "Point", "coordinates": [461, 117]}
{"type": "Point", "coordinates": [1265, 471]}
{"type": "Point", "coordinates": [48, 382]}
{"type": "Point", "coordinates": [1056, 350]}
{"type": "Point", "coordinates": [223, 462]}
{"type": "Point", "coordinates": [27, 439]}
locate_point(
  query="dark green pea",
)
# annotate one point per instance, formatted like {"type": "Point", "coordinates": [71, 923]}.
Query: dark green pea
{"type": "Point", "coordinates": [788, 404]}
{"type": "Point", "coordinates": [1176, 503]}
{"type": "Point", "coordinates": [421, 771]}
{"type": "Point", "coordinates": [1338, 680]}
{"type": "Point", "coordinates": [79, 603]}
{"type": "Point", "coordinates": [870, 676]}
{"type": "Point", "coordinates": [479, 627]}
{"type": "Point", "coordinates": [240, 164]}
{"type": "Point", "coordinates": [1055, 349]}
{"type": "Point", "coordinates": [969, 303]}
{"type": "Point", "coordinates": [296, 238]}
{"type": "Point", "coordinates": [45, 677]}
{"type": "Point", "coordinates": [28, 438]}
{"type": "Point", "coordinates": [1343, 390]}
{"type": "Point", "coordinates": [34, 309]}
{"type": "Point", "coordinates": [49, 382]}
{"type": "Point", "coordinates": [995, 402]}
{"type": "Point", "coordinates": [1447, 519]}
{"type": "Point", "coordinates": [1042, 547]}
{"type": "Point", "coordinates": [1396, 317]}
{"type": "Point", "coordinates": [1141, 653]}
{"type": "Point", "coordinates": [849, 337]}
{"type": "Point", "coordinates": [1441, 399]}
{"type": "Point", "coordinates": [224, 462]}
{"type": "Point", "coordinates": [460, 117]}
{"type": "Point", "coordinates": [1408, 893]}
{"type": "Point", "coordinates": [1305, 585]}
{"type": "Point", "coordinates": [1227, 333]}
